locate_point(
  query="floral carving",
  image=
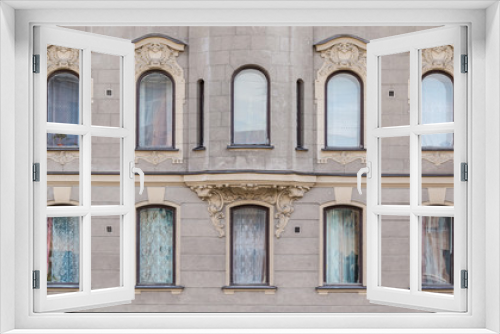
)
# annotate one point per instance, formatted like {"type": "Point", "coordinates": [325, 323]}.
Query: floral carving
{"type": "Point", "coordinates": [157, 55]}
{"type": "Point", "coordinates": [344, 157]}
{"type": "Point", "coordinates": [438, 58]}
{"type": "Point", "coordinates": [218, 196]}
{"type": "Point", "coordinates": [343, 55]}
{"type": "Point", "coordinates": [155, 158]}
{"type": "Point", "coordinates": [60, 57]}
{"type": "Point", "coordinates": [62, 157]}
{"type": "Point", "coordinates": [438, 157]}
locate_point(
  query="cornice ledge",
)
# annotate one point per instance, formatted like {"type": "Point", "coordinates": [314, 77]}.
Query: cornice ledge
{"type": "Point", "coordinates": [219, 195]}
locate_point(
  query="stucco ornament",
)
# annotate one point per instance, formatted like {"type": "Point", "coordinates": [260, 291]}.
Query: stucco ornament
{"type": "Point", "coordinates": [155, 158]}
{"type": "Point", "coordinates": [438, 58]}
{"type": "Point", "coordinates": [343, 55]}
{"type": "Point", "coordinates": [62, 157]}
{"type": "Point", "coordinates": [62, 58]}
{"type": "Point", "coordinates": [157, 55]}
{"type": "Point", "coordinates": [219, 195]}
{"type": "Point", "coordinates": [437, 157]}
{"type": "Point", "coordinates": [345, 157]}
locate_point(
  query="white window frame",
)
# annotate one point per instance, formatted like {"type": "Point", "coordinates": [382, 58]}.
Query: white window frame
{"type": "Point", "coordinates": [483, 100]}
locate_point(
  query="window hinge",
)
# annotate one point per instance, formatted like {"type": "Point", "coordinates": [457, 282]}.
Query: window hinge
{"type": "Point", "coordinates": [36, 172]}
{"type": "Point", "coordinates": [465, 64]}
{"type": "Point", "coordinates": [465, 279]}
{"type": "Point", "coordinates": [464, 167]}
{"type": "Point", "coordinates": [36, 63]}
{"type": "Point", "coordinates": [36, 279]}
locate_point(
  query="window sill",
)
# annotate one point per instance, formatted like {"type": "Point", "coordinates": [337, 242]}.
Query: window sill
{"type": "Point", "coordinates": [231, 289]}
{"type": "Point", "coordinates": [249, 147]}
{"type": "Point", "coordinates": [199, 148]}
{"type": "Point", "coordinates": [174, 289]}
{"type": "Point", "coordinates": [438, 289]}
{"type": "Point", "coordinates": [326, 289]}
{"type": "Point", "coordinates": [157, 149]}
{"type": "Point", "coordinates": [334, 149]}
{"type": "Point", "coordinates": [301, 149]}
{"type": "Point", "coordinates": [62, 148]}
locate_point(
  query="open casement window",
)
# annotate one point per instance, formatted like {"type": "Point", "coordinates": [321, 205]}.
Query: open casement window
{"type": "Point", "coordinates": [103, 213]}
{"type": "Point", "coordinates": [396, 134]}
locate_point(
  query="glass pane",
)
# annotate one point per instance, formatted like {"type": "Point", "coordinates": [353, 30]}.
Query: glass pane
{"type": "Point", "coordinates": [156, 111]}
{"type": "Point", "coordinates": [394, 92]}
{"type": "Point", "coordinates": [106, 89]}
{"type": "Point", "coordinates": [437, 254]}
{"type": "Point", "coordinates": [105, 245]}
{"type": "Point", "coordinates": [63, 190]}
{"type": "Point", "coordinates": [63, 89]}
{"type": "Point", "coordinates": [343, 116]}
{"type": "Point", "coordinates": [437, 85]}
{"type": "Point", "coordinates": [106, 171]}
{"type": "Point", "coordinates": [63, 254]}
{"type": "Point", "coordinates": [395, 251]}
{"type": "Point", "coordinates": [437, 165]}
{"type": "Point", "coordinates": [342, 242]}
{"type": "Point", "coordinates": [249, 246]}
{"type": "Point", "coordinates": [395, 170]}
{"type": "Point", "coordinates": [250, 108]}
{"type": "Point", "coordinates": [156, 246]}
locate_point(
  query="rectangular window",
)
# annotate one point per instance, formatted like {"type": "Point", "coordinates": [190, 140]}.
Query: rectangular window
{"type": "Point", "coordinates": [201, 115]}
{"type": "Point", "coordinates": [300, 114]}
{"type": "Point", "coordinates": [249, 246]}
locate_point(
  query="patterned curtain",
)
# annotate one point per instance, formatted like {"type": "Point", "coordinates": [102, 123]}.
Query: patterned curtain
{"type": "Point", "coordinates": [63, 251]}
{"type": "Point", "coordinates": [437, 251]}
{"type": "Point", "coordinates": [156, 251]}
{"type": "Point", "coordinates": [155, 111]}
{"type": "Point", "coordinates": [342, 246]}
{"type": "Point", "coordinates": [249, 246]}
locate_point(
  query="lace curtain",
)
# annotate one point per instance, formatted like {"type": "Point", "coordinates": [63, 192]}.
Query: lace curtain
{"type": "Point", "coordinates": [437, 251]}
{"type": "Point", "coordinates": [156, 250]}
{"type": "Point", "coordinates": [63, 251]}
{"type": "Point", "coordinates": [342, 246]}
{"type": "Point", "coordinates": [155, 111]}
{"type": "Point", "coordinates": [249, 246]}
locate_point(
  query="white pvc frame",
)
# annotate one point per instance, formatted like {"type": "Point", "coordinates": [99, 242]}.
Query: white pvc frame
{"type": "Point", "coordinates": [414, 43]}
{"type": "Point", "coordinates": [482, 40]}
{"type": "Point", "coordinates": [86, 297]}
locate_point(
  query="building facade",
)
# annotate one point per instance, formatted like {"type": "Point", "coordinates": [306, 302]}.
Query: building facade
{"type": "Point", "coordinates": [250, 139]}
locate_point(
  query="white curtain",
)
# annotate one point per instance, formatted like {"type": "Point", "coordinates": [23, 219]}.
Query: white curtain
{"type": "Point", "coordinates": [156, 249]}
{"type": "Point", "coordinates": [342, 246]}
{"type": "Point", "coordinates": [437, 251]}
{"type": "Point", "coordinates": [63, 258]}
{"type": "Point", "coordinates": [249, 246]}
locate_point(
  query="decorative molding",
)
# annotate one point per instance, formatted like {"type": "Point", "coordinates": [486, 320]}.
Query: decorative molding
{"type": "Point", "coordinates": [156, 158]}
{"type": "Point", "coordinates": [338, 54]}
{"type": "Point", "coordinates": [62, 58]}
{"type": "Point", "coordinates": [438, 58]}
{"type": "Point", "coordinates": [343, 157]}
{"type": "Point", "coordinates": [159, 53]}
{"type": "Point", "coordinates": [438, 157]}
{"type": "Point", "coordinates": [63, 157]}
{"type": "Point", "coordinates": [219, 195]}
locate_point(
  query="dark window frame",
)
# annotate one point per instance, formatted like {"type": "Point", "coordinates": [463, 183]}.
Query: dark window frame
{"type": "Point", "coordinates": [268, 106]}
{"type": "Point", "coordinates": [53, 74]}
{"type": "Point", "coordinates": [231, 252]}
{"type": "Point", "coordinates": [138, 244]}
{"type": "Point", "coordinates": [361, 113]}
{"type": "Point", "coordinates": [453, 85]}
{"type": "Point", "coordinates": [138, 100]}
{"type": "Point", "coordinates": [200, 115]}
{"type": "Point", "coordinates": [300, 115]}
{"type": "Point", "coordinates": [360, 243]}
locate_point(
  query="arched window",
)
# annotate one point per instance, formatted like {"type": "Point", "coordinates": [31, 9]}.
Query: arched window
{"type": "Point", "coordinates": [63, 251]}
{"type": "Point", "coordinates": [63, 91]}
{"type": "Point", "coordinates": [437, 107]}
{"type": "Point", "coordinates": [342, 233]}
{"type": "Point", "coordinates": [249, 245]}
{"type": "Point", "coordinates": [250, 107]}
{"type": "Point", "coordinates": [155, 246]}
{"type": "Point", "coordinates": [155, 115]}
{"type": "Point", "coordinates": [344, 111]}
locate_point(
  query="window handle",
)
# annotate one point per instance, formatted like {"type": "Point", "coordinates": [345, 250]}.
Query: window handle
{"type": "Point", "coordinates": [365, 170]}
{"type": "Point", "coordinates": [133, 170]}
